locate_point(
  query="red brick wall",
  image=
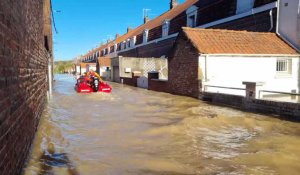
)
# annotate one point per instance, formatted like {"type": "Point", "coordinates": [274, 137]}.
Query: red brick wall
{"type": "Point", "coordinates": [183, 68]}
{"type": "Point", "coordinates": [259, 22]}
{"type": "Point", "coordinates": [158, 85]}
{"type": "Point", "coordinates": [155, 33]}
{"type": "Point", "coordinates": [23, 83]}
{"type": "Point", "coordinates": [129, 81]}
{"type": "Point", "coordinates": [155, 50]}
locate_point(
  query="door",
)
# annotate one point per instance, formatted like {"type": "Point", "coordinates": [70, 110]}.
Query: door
{"type": "Point", "coordinates": [116, 74]}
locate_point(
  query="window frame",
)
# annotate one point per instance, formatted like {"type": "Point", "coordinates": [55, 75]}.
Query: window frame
{"type": "Point", "coordinates": [165, 28]}
{"type": "Point", "coordinates": [191, 12]}
{"type": "Point", "coordinates": [284, 66]}
{"type": "Point", "coordinates": [145, 35]}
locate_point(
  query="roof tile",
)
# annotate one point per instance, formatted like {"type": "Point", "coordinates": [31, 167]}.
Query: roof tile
{"type": "Point", "coordinates": [216, 41]}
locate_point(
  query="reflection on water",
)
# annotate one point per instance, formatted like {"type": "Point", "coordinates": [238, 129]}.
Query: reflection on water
{"type": "Point", "coordinates": [135, 131]}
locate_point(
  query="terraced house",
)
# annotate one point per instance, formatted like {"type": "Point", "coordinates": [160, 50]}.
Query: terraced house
{"type": "Point", "coordinates": [155, 38]}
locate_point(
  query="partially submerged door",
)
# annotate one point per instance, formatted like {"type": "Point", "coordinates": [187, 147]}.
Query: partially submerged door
{"type": "Point", "coordinates": [116, 74]}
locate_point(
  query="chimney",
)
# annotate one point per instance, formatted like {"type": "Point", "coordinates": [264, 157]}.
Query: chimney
{"type": "Point", "coordinates": [117, 36]}
{"type": "Point", "coordinates": [173, 4]}
{"type": "Point", "coordinates": [146, 19]}
{"type": "Point", "coordinates": [129, 29]}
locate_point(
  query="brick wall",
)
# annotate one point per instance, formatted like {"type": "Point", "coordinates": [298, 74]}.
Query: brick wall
{"type": "Point", "coordinates": [156, 49]}
{"type": "Point", "coordinates": [259, 22]}
{"type": "Point", "coordinates": [212, 10]}
{"type": "Point", "coordinates": [183, 68]}
{"type": "Point", "coordinates": [158, 85]}
{"type": "Point", "coordinates": [129, 81]}
{"type": "Point", "coordinates": [25, 34]}
{"type": "Point", "coordinates": [286, 110]}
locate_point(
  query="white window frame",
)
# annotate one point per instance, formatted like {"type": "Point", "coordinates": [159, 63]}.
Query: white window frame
{"type": "Point", "coordinates": [145, 35]}
{"type": "Point", "coordinates": [133, 41]}
{"type": "Point", "coordinates": [190, 12]}
{"type": "Point", "coordinates": [115, 47]}
{"type": "Point", "coordinates": [165, 28]}
{"type": "Point", "coordinates": [243, 6]}
{"type": "Point", "coordinates": [108, 50]}
{"type": "Point", "coordinates": [284, 66]}
{"type": "Point", "coordinates": [128, 43]}
{"type": "Point", "coordinates": [123, 45]}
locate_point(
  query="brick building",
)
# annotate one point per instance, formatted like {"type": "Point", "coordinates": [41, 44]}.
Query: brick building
{"type": "Point", "coordinates": [155, 38]}
{"type": "Point", "coordinates": [25, 52]}
{"type": "Point", "coordinates": [219, 61]}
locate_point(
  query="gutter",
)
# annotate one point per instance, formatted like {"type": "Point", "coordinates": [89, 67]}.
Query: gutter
{"type": "Point", "coordinates": [253, 55]}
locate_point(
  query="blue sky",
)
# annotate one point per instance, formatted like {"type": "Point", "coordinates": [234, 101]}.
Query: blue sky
{"type": "Point", "coordinates": [84, 24]}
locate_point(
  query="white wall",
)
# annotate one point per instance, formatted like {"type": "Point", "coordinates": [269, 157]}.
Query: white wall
{"type": "Point", "coordinates": [231, 71]}
{"type": "Point", "coordinates": [91, 67]}
{"type": "Point", "coordinates": [77, 69]}
{"type": "Point", "coordinates": [83, 70]}
{"type": "Point", "coordinates": [102, 71]}
{"type": "Point", "coordinates": [289, 21]}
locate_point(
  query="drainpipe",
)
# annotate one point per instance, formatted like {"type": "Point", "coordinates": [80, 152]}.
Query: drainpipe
{"type": "Point", "coordinates": [271, 20]}
{"type": "Point", "coordinates": [206, 56]}
{"type": "Point", "coordinates": [50, 77]}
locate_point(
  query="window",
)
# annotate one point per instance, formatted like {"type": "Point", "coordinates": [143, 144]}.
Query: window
{"type": "Point", "coordinates": [284, 66]}
{"type": "Point", "coordinates": [244, 6]}
{"type": "Point", "coordinates": [124, 44]}
{"type": "Point", "coordinates": [145, 36]}
{"type": "Point", "coordinates": [165, 28]}
{"type": "Point", "coordinates": [128, 43]}
{"type": "Point", "coordinates": [191, 14]}
{"type": "Point", "coordinates": [115, 47]}
{"type": "Point", "coordinates": [191, 21]}
{"type": "Point", "coordinates": [133, 41]}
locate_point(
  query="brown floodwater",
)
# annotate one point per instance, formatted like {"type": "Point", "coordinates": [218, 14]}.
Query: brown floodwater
{"type": "Point", "coordinates": [138, 132]}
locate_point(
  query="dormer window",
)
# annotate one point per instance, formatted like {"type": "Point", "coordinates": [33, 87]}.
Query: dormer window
{"type": "Point", "coordinates": [133, 41]}
{"type": "Point", "coordinates": [128, 43]}
{"type": "Point", "coordinates": [244, 6]}
{"type": "Point", "coordinates": [124, 45]}
{"type": "Point", "coordinates": [191, 14]}
{"type": "Point", "coordinates": [145, 36]}
{"type": "Point", "coordinates": [165, 28]}
{"type": "Point", "coordinates": [115, 47]}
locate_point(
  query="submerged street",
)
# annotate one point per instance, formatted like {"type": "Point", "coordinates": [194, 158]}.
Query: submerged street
{"type": "Point", "coordinates": [136, 131]}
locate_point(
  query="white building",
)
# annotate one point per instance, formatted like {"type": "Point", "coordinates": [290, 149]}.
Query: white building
{"type": "Point", "coordinates": [227, 59]}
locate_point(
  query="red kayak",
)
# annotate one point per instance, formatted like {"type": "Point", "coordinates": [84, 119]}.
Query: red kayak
{"type": "Point", "coordinates": [82, 86]}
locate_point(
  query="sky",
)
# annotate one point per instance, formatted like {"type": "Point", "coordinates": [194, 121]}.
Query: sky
{"type": "Point", "coordinates": [84, 24]}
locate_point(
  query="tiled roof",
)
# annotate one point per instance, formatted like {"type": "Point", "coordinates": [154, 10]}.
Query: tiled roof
{"type": "Point", "coordinates": [171, 14]}
{"type": "Point", "coordinates": [215, 41]}
{"type": "Point", "coordinates": [85, 64]}
{"type": "Point", "coordinates": [104, 61]}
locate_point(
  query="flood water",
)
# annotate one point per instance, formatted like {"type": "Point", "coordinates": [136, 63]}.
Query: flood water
{"type": "Point", "coordinates": [138, 132]}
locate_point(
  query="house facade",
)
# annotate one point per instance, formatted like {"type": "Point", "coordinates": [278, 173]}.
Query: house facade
{"type": "Point", "coordinates": [104, 67]}
{"type": "Point", "coordinates": [155, 38]}
{"type": "Point", "coordinates": [224, 61]}
{"type": "Point", "coordinates": [86, 67]}
{"type": "Point", "coordinates": [124, 68]}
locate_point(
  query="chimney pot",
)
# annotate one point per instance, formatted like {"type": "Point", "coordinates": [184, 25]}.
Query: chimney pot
{"type": "Point", "coordinates": [173, 4]}
{"type": "Point", "coordinates": [129, 29]}
{"type": "Point", "coordinates": [146, 19]}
